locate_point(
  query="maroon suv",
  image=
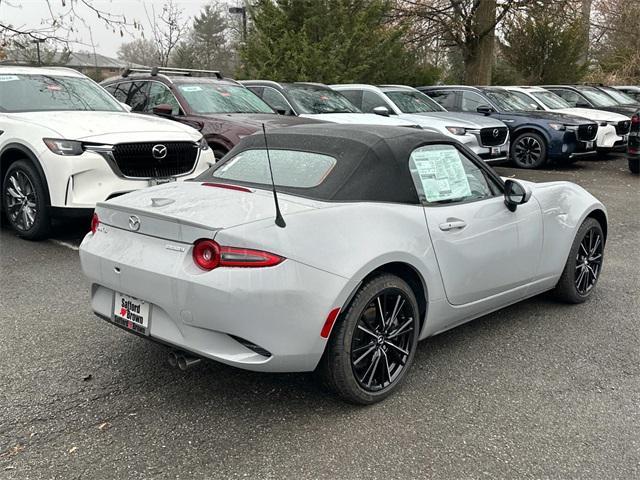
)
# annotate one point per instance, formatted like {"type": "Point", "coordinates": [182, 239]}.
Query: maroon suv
{"type": "Point", "coordinates": [221, 108]}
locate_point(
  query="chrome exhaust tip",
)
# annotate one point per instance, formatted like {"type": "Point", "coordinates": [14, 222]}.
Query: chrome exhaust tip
{"type": "Point", "coordinates": [185, 362]}
{"type": "Point", "coordinates": [172, 358]}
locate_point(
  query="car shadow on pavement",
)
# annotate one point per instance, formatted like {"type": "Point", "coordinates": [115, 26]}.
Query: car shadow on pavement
{"type": "Point", "coordinates": [461, 349]}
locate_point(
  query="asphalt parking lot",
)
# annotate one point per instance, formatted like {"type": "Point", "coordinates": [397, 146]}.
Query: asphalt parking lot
{"type": "Point", "coordinates": [538, 390]}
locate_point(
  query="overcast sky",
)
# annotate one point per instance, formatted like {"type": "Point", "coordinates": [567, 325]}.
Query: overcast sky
{"type": "Point", "coordinates": [29, 13]}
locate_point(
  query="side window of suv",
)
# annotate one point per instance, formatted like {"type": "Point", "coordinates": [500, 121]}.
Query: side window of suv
{"type": "Point", "coordinates": [276, 101]}
{"type": "Point", "coordinates": [119, 90]}
{"type": "Point", "coordinates": [471, 101]}
{"type": "Point", "coordinates": [354, 96]}
{"type": "Point", "coordinates": [159, 94]}
{"type": "Point", "coordinates": [526, 99]}
{"type": "Point", "coordinates": [371, 100]}
{"type": "Point", "coordinates": [446, 98]}
{"type": "Point", "coordinates": [571, 97]}
{"type": "Point", "coordinates": [138, 94]}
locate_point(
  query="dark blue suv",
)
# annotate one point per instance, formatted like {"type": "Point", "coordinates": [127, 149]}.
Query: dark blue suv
{"type": "Point", "coordinates": [536, 137]}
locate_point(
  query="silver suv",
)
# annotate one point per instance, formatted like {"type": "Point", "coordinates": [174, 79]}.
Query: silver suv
{"type": "Point", "coordinates": [487, 137]}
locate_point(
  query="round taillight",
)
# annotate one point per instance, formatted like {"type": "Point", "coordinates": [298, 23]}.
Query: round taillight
{"type": "Point", "coordinates": [95, 221]}
{"type": "Point", "coordinates": [206, 254]}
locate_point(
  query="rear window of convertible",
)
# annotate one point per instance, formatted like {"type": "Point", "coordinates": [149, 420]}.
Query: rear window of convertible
{"type": "Point", "coordinates": [290, 168]}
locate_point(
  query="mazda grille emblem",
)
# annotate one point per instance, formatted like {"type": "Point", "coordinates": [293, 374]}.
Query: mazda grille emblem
{"type": "Point", "coordinates": [134, 223]}
{"type": "Point", "coordinates": [159, 152]}
{"type": "Point", "coordinates": [496, 132]}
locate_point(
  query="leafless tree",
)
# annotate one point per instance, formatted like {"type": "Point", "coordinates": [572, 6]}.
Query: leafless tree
{"type": "Point", "coordinates": [167, 28]}
{"type": "Point", "coordinates": [466, 25]}
{"type": "Point", "coordinates": [60, 22]}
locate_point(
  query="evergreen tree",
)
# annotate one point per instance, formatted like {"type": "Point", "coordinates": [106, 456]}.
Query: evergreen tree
{"type": "Point", "coordinates": [330, 41]}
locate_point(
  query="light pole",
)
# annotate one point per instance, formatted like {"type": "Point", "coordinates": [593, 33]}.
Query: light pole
{"type": "Point", "coordinates": [38, 41]}
{"type": "Point", "coordinates": [241, 11]}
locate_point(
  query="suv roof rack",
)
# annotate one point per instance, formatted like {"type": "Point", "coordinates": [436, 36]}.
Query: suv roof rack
{"type": "Point", "coordinates": [187, 72]}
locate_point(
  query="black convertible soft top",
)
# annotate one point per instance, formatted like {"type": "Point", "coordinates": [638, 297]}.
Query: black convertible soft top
{"type": "Point", "coordinates": [372, 161]}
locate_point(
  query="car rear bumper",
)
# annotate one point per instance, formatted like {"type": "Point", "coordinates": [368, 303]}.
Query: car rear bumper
{"type": "Point", "coordinates": [280, 309]}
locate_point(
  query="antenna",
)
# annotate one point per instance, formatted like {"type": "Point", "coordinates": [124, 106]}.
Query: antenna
{"type": "Point", "coordinates": [279, 220]}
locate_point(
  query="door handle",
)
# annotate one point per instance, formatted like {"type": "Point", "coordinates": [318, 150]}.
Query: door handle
{"type": "Point", "coordinates": [452, 225]}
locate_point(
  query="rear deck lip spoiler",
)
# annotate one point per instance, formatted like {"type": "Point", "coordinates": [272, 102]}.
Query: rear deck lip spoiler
{"type": "Point", "coordinates": [228, 186]}
{"type": "Point", "coordinates": [149, 214]}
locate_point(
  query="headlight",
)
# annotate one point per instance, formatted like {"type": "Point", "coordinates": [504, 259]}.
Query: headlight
{"type": "Point", "coordinates": [457, 130]}
{"type": "Point", "coordinates": [64, 147]}
{"type": "Point", "coordinates": [202, 144]}
{"type": "Point", "coordinates": [558, 126]}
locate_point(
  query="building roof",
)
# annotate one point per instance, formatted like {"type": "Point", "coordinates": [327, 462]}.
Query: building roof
{"type": "Point", "coordinates": [76, 60]}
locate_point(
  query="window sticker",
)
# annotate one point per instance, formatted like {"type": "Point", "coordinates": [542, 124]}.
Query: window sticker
{"type": "Point", "coordinates": [441, 173]}
{"type": "Point", "coordinates": [8, 78]}
{"type": "Point", "coordinates": [191, 88]}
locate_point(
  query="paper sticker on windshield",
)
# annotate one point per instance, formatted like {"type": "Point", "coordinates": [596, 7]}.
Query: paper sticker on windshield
{"type": "Point", "coordinates": [441, 174]}
{"type": "Point", "coordinates": [8, 78]}
{"type": "Point", "coordinates": [191, 88]}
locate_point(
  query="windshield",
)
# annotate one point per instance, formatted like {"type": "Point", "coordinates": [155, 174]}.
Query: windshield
{"type": "Point", "coordinates": [619, 96]}
{"type": "Point", "coordinates": [507, 101]}
{"type": "Point", "coordinates": [597, 97]}
{"type": "Point", "coordinates": [550, 100]}
{"type": "Point", "coordinates": [312, 99]}
{"type": "Point", "coordinates": [219, 98]}
{"type": "Point", "coordinates": [413, 102]}
{"type": "Point", "coordinates": [31, 93]}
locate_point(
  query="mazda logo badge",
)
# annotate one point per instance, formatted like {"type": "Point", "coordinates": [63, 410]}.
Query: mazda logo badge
{"type": "Point", "coordinates": [134, 223]}
{"type": "Point", "coordinates": [496, 132]}
{"type": "Point", "coordinates": [159, 152]}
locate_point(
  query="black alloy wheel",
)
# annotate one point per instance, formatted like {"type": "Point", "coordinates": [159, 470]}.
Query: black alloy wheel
{"type": "Point", "coordinates": [584, 264]}
{"type": "Point", "coordinates": [382, 342]}
{"type": "Point", "coordinates": [529, 150]}
{"type": "Point", "coordinates": [588, 261]}
{"type": "Point", "coordinates": [373, 343]}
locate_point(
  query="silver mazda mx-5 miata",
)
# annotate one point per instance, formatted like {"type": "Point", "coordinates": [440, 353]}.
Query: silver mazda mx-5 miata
{"type": "Point", "coordinates": [387, 235]}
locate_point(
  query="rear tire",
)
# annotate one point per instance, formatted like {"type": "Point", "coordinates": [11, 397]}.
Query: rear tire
{"type": "Point", "coordinates": [369, 354]}
{"type": "Point", "coordinates": [584, 264]}
{"type": "Point", "coordinates": [634, 165]}
{"type": "Point", "coordinates": [529, 150]}
{"type": "Point", "coordinates": [25, 202]}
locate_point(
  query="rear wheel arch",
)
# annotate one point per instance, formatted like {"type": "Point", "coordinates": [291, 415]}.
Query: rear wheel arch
{"type": "Point", "coordinates": [15, 151]}
{"type": "Point", "coordinates": [407, 273]}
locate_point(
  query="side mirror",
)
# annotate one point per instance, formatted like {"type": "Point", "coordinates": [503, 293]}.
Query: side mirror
{"type": "Point", "coordinates": [515, 194]}
{"type": "Point", "coordinates": [382, 111]}
{"type": "Point", "coordinates": [485, 109]}
{"type": "Point", "coordinates": [164, 110]}
{"type": "Point", "coordinates": [283, 111]}
{"type": "Point", "coordinates": [125, 106]}
{"type": "Point", "coordinates": [580, 104]}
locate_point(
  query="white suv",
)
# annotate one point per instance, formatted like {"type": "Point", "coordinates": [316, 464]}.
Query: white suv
{"type": "Point", "coordinates": [486, 136]}
{"type": "Point", "coordinates": [65, 144]}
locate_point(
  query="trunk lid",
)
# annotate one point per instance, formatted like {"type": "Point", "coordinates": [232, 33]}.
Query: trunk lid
{"type": "Point", "coordinates": [186, 211]}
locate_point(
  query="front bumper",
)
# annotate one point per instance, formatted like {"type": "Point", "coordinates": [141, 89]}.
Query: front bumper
{"type": "Point", "coordinates": [493, 154]}
{"type": "Point", "coordinates": [82, 181]}
{"type": "Point", "coordinates": [281, 309]}
{"type": "Point", "coordinates": [565, 146]}
{"type": "Point", "coordinates": [608, 139]}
